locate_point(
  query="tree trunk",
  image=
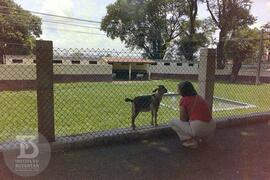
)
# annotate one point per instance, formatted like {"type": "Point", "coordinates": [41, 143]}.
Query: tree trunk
{"type": "Point", "coordinates": [159, 49]}
{"type": "Point", "coordinates": [1, 56]}
{"type": "Point", "coordinates": [163, 49]}
{"type": "Point", "coordinates": [220, 50]}
{"type": "Point", "coordinates": [193, 10]}
{"type": "Point", "coordinates": [237, 64]}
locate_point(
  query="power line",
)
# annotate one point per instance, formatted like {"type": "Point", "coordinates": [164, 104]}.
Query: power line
{"type": "Point", "coordinates": [53, 15]}
{"type": "Point", "coordinates": [83, 32]}
{"type": "Point", "coordinates": [70, 24]}
{"type": "Point", "coordinates": [68, 30]}
{"type": "Point", "coordinates": [65, 17]}
{"type": "Point", "coordinates": [56, 22]}
{"type": "Point", "coordinates": [70, 18]}
{"type": "Point", "coordinates": [84, 20]}
{"type": "Point", "coordinates": [91, 27]}
{"type": "Point", "coordinates": [62, 23]}
{"type": "Point", "coordinates": [59, 22]}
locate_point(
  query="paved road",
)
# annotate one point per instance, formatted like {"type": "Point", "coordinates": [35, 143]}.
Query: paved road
{"type": "Point", "coordinates": [235, 153]}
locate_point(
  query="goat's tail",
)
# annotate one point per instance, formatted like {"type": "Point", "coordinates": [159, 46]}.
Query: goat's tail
{"type": "Point", "coordinates": [128, 100]}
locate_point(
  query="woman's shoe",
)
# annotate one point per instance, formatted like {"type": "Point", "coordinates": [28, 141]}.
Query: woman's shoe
{"type": "Point", "coordinates": [190, 143]}
{"type": "Point", "coordinates": [202, 140]}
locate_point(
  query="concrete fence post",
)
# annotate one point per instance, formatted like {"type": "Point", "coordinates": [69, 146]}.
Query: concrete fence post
{"type": "Point", "coordinates": [45, 100]}
{"type": "Point", "coordinates": [206, 78]}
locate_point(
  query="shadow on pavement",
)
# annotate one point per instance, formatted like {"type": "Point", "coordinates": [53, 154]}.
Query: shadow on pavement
{"type": "Point", "coordinates": [233, 153]}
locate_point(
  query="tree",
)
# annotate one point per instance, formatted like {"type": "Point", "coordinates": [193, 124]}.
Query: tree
{"type": "Point", "coordinates": [228, 15]}
{"type": "Point", "coordinates": [17, 26]}
{"type": "Point", "coordinates": [243, 44]}
{"type": "Point", "coordinates": [188, 42]}
{"type": "Point", "coordinates": [196, 32]}
{"type": "Point", "coordinates": [266, 27]}
{"type": "Point", "coordinates": [155, 25]}
{"type": "Point", "coordinates": [147, 25]}
{"type": "Point", "coordinates": [191, 41]}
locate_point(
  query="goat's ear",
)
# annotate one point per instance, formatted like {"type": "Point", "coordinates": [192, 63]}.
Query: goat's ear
{"type": "Point", "coordinates": [155, 90]}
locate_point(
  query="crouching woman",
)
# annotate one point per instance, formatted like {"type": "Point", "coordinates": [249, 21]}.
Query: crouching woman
{"type": "Point", "coordinates": [195, 121]}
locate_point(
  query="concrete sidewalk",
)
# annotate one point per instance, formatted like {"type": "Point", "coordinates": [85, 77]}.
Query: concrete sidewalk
{"type": "Point", "coordinates": [234, 153]}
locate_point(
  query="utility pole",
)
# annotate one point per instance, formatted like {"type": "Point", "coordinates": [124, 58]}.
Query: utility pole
{"type": "Point", "coordinates": [260, 60]}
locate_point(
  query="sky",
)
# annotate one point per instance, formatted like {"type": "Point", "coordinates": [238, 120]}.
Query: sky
{"type": "Point", "coordinates": [67, 36]}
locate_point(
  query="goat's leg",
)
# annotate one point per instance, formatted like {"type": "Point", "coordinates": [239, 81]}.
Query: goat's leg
{"type": "Point", "coordinates": [133, 117]}
{"type": "Point", "coordinates": [152, 118]}
{"type": "Point", "coordinates": [155, 116]}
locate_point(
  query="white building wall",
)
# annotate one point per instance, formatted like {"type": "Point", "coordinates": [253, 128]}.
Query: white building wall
{"type": "Point", "coordinates": [160, 68]}
{"type": "Point", "coordinates": [29, 59]}
{"type": "Point", "coordinates": [28, 72]}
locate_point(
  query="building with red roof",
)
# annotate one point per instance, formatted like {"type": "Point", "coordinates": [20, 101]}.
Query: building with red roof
{"type": "Point", "coordinates": [129, 68]}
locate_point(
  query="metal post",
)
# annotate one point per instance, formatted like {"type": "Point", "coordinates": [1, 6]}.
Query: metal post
{"type": "Point", "coordinates": [207, 69]}
{"type": "Point", "coordinates": [149, 72]}
{"type": "Point", "coordinates": [45, 102]}
{"type": "Point", "coordinates": [259, 60]}
{"type": "Point", "coordinates": [129, 72]}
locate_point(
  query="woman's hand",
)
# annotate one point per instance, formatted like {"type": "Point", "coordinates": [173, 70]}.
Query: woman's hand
{"type": "Point", "coordinates": [183, 114]}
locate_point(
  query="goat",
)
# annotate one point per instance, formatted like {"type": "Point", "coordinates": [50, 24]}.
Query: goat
{"type": "Point", "coordinates": [147, 103]}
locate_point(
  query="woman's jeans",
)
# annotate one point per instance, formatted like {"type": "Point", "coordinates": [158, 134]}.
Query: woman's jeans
{"type": "Point", "coordinates": [194, 129]}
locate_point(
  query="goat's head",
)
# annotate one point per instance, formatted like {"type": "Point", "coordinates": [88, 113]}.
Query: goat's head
{"type": "Point", "coordinates": [161, 90]}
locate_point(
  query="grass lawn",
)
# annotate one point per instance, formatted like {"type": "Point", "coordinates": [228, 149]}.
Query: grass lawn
{"type": "Point", "coordinates": [87, 107]}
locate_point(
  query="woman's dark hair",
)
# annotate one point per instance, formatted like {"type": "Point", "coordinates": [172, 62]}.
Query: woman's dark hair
{"type": "Point", "coordinates": [186, 89]}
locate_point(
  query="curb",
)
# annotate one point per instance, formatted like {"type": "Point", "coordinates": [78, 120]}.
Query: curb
{"type": "Point", "coordinates": [242, 120]}
{"type": "Point", "coordinates": [125, 135]}
{"type": "Point", "coordinates": [164, 130]}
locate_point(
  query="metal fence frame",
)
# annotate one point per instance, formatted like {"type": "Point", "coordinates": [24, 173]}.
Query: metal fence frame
{"type": "Point", "coordinates": [45, 79]}
{"type": "Point", "coordinates": [45, 100]}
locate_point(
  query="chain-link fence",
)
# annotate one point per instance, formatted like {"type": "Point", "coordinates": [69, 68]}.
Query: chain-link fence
{"type": "Point", "coordinates": [18, 97]}
{"type": "Point", "coordinates": [90, 87]}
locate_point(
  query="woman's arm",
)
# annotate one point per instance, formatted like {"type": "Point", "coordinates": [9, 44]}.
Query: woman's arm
{"type": "Point", "coordinates": [183, 114]}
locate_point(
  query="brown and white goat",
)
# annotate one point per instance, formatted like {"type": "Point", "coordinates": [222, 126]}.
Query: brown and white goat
{"type": "Point", "coordinates": [147, 103]}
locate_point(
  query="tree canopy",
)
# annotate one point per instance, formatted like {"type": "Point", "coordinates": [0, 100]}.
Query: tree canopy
{"type": "Point", "coordinates": [155, 25]}
{"type": "Point", "coordinates": [244, 44]}
{"type": "Point", "coordinates": [228, 15]}
{"type": "Point", "coordinates": [148, 25]}
{"type": "Point", "coordinates": [17, 26]}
